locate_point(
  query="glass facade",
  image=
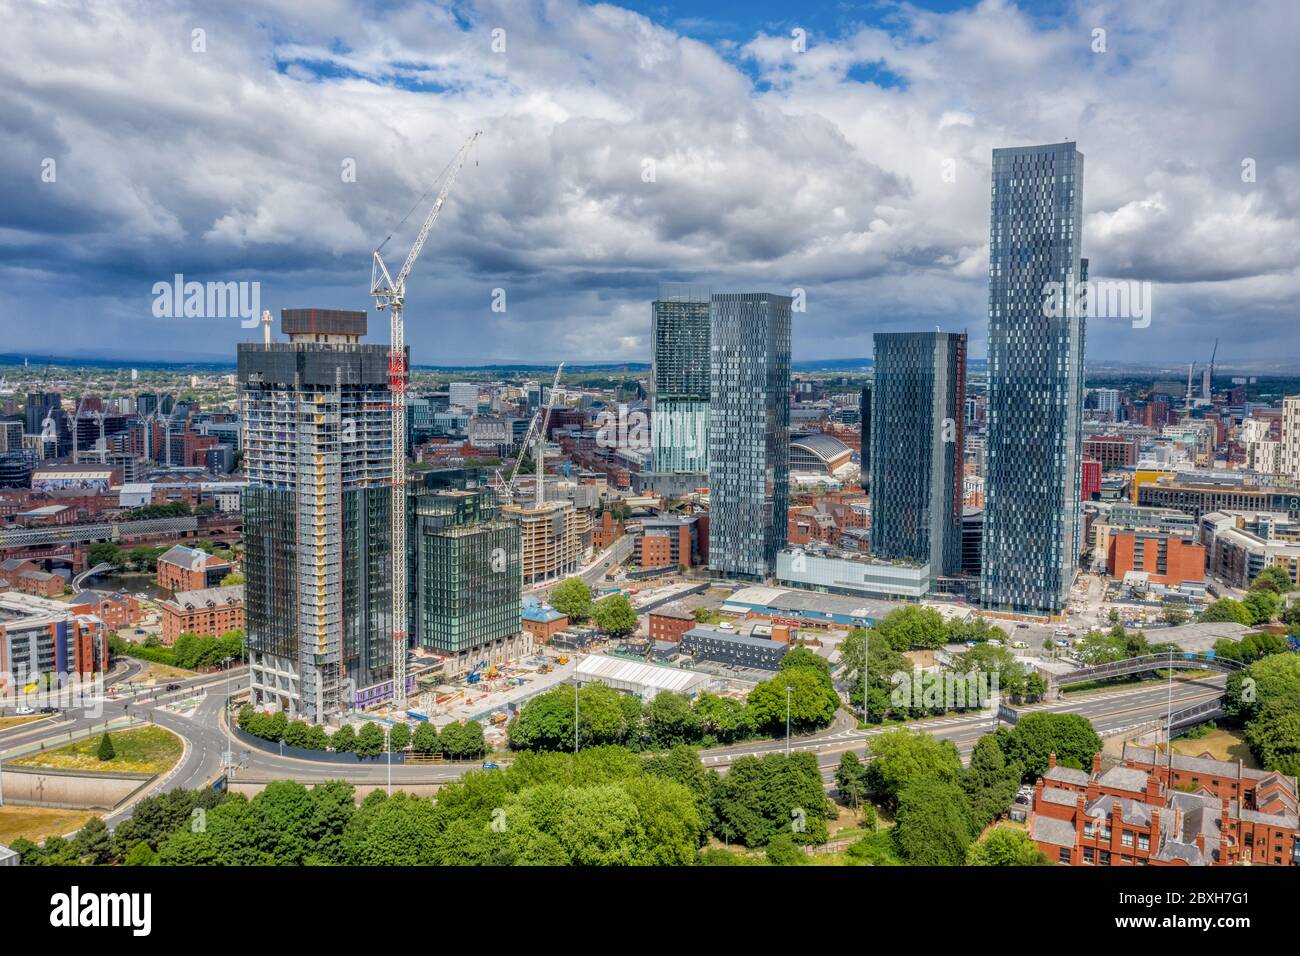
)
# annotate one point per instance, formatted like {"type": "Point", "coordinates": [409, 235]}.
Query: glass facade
{"type": "Point", "coordinates": [749, 431]}
{"type": "Point", "coordinates": [1035, 355]}
{"type": "Point", "coordinates": [680, 376]}
{"type": "Point", "coordinates": [466, 576]}
{"type": "Point", "coordinates": [916, 448]}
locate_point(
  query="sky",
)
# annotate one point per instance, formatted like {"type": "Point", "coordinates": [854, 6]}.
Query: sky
{"type": "Point", "coordinates": [841, 149]}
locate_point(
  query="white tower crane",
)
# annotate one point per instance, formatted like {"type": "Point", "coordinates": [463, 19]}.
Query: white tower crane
{"type": "Point", "coordinates": [541, 437]}
{"type": "Point", "coordinates": [390, 294]}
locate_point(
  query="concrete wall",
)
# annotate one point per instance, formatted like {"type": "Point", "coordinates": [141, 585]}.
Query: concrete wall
{"type": "Point", "coordinates": [70, 789]}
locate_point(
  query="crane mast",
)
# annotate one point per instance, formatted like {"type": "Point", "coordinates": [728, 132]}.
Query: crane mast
{"type": "Point", "coordinates": [390, 294]}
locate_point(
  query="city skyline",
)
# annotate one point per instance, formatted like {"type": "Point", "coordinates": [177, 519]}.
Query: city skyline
{"type": "Point", "coordinates": [880, 238]}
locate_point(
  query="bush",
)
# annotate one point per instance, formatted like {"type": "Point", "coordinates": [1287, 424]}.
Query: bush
{"type": "Point", "coordinates": [106, 751]}
{"type": "Point", "coordinates": [783, 851]}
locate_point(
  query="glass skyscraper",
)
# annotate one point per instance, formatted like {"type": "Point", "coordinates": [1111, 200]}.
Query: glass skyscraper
{"type": "Point", "coordinates": [749, 431]}
{"type": "Point", "coordinates": [1035, 355]}
{"type": "Point", "coordinates": [680, 377]}
{"type": "Point", "coordinates": [915, 449]}
{"type": "Point", "coordinates": [317, 539]}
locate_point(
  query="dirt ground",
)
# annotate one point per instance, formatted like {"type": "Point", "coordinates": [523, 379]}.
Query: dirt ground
{"type": "Point", "coordinates": [37, 823]}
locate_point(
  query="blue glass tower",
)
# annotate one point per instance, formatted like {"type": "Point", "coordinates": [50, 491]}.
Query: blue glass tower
{"type": "Point", "coordinates": [1035, 354]}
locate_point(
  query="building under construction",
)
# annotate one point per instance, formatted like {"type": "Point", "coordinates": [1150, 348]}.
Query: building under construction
{"type": "Point", "coordinates": [315, 414]}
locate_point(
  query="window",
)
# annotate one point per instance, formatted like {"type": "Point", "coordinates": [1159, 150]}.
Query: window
{"type": "Point", "coordinates": [1127, 838]}
{"type": "Point", "coordinates": [1103, 857]}
{"type": "Point", "coordinates": [1064, 854]}
{"type": "Point", "coordinates": [1144, 842]}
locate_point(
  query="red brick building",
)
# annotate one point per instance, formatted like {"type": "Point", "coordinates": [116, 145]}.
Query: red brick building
{"type": "Point", "coordinates": [1091, 483]}
{"type": "Point", "coordinates": [670, 622]}
{"type": "Point", "coordinates": [26, 577]}
{"type": "Point", "coordinates": [1134, 814]}
{"type": "Point", "coordinates": [1167, 558]}
{"type": "Point", "coordinates": [1113, 451]}
{"type": "Point", "coordinates": [208, 612]}
{"type": "Point", "coordinates": [117, 611]}
{"type": "Point", "coordinates": [188, 569]}
{"type": "Point", "coordinates": [607, 532]}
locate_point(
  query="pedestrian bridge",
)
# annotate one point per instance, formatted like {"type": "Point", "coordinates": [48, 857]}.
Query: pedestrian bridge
{"type": "Point", "coordinates": [1147, 662]}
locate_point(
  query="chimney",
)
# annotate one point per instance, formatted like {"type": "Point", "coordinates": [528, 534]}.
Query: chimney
{"type": "Point", "coordinates": [1155, 829]}
{"type": "Point", "coordinates": [1096, 762]}
{"type": "Point", "coordinates": [1051, 761]}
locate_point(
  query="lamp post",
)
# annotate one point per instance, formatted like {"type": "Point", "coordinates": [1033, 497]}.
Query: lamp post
{"type": "Point", "coordinates": [226, 757]}
{"type": "Point", "coordinates": [388, 745]}
{"type": "Point", "coordinates": [788, 690]}
{"type": "Point", "coordinates": [575, 717]}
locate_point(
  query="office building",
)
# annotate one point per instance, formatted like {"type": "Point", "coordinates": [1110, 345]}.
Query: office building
{"type": "Point", "coordinates": [465, 575]}
{"type": "Point", "coordinates": [464, 395]}
{"type": "Point", "coordinates": [917, 433]}
{"type": "Point", "coordinates": [45, 643]}
{"type": "Point", "coordinates": [317, 560]}
{"type": "Point", "coordinates": [749, 425]}
{"type": "Point", "coordinates": [680, 380]}
{"type": "Point", "coordinates": [1035, 346]}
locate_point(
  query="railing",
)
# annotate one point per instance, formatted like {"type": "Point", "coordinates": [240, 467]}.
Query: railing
{"type": "Point", "coordinates": [1147, 662]}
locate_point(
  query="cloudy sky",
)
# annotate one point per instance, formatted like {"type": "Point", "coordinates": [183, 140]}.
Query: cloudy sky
{"type": "Point", "coordinates": [744, 145]}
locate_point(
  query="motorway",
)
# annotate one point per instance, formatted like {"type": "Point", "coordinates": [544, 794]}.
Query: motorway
{"type": "Point", "coordinates": [204, 733]}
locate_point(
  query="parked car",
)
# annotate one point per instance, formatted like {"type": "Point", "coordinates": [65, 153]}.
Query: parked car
{"type": "Point", "coordinates": [24, 711]}
{"type": "Point", "coordinates": [49, 710]}
{"type": "Point", "coordinates": [490, 765]}
{"type": "Point", "coordinates": [173, 686]}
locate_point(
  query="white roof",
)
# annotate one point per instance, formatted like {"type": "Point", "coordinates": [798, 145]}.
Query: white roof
{"type": "Point", "coordinates": [644, 679]}
{"type": "Point", "coordinates": [757, 595]}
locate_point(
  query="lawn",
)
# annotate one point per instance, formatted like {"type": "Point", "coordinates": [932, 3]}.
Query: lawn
{"type": "Point", "coordinates": [37, 823]}
{"type": "Point", "coordinates": [1221, 744]}
{"type": "Point", "coordinates": [139, 750]}
{"type": "Point", "coordinates": [7, 722]}
{"type": "Point", "coordinates": [163, 673]}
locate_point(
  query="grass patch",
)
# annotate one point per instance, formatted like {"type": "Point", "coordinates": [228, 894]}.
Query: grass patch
{"type": "Point", "coordinates": [37, 823]}
{"type": "Point", "coordinates": [7, 722]}
{"type": "Point", "coordinates": [140, 750]}
{"type": "Point", "coordinates": [1221, 744]}
{"type": "Point", "coordinates": [163, 672]}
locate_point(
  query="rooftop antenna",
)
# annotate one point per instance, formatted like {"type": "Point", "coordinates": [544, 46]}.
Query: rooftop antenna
{"type": "Point", "coordinates": [266, 326]}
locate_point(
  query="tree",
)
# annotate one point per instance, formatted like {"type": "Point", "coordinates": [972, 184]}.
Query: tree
{"type": "Point", "coordinates": [425, 740]}
{"type": "Point", "coordinates": [104, 552]}
{"type": "Point", "coordinates": [975, 628]}
{"type": "Point", "coordinates": [344, 740]}
{"type": "Point", "coordinates": [370, 741]}
{"type": "Point", "coordinates": [884, 663]}
{"type": "Point", "coordinates": [1273, 579]}
{"type": "Point", "coordinates": [803, 656]}
{"type": "Point", "coordinates": [1226, 609]}
{"type": "Point", "coordinates": [106, 751]}
{"type": "Point", "coordinates": [760, 798]}
{"type": "Point", "coordinates": [670, 720]}
{"type": "Point", "coordinates": [902, 756]}
{"type": "Point", "coordinates": [1036, 736]}
{"type": "Point", "coordinates": [783, 851]}
{"type": "Point", "coordinates": [1274, 736]}
{"type": "Point", "coordinates": [572, 598]}
{"type": "Point", "coordinates": [1276, 677]}
{"type": "Point", "coordinates": [933, 825]}
{"type": "Point", "coordinates": [851, 779]}
{"type": "Point", "coordinates": [990, 782]}
{"type": "Point", "coordinates": [461, 741]}
{"type": "Point", "coordinates": [1173, 614]}
{"type": "Point", "coordinates": [1262, 605]}
{"type": "Point", "coordinates": [721, 720]}
{"type": "Point", "coordinates": [544, 723]}
{"type": "Point", "coordinates": [1006, 847]}
{"type": "Point", "coordinates": [987, 658]}
{"type": "Point", "coordinates": [912, 626]}
{"type": "Point", "coordinates": [232, 579]}
{"type": "Point", "coordinates": [614, 615]}
{"type": "Point", "coordinates": [399, 737]}
{"type": "Point", "coordinates": [93, 843]}
{"type": "Point", "coordinates": [812, 701]}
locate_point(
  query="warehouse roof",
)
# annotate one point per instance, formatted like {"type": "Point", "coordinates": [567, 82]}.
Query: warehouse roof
{"type": "Point", "coordinates": [644, 679]}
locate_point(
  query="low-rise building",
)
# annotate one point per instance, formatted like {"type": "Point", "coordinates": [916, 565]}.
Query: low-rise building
{"type": "Point", "coordinates": [733, 648]}
{"type": "Point", "coordinates": [116, 610]}
{"type": "Point", "coordinates": [1158, 810]}
{"type": "Point", "coordinates": [189, 569]}
{"type": "Point", "coordinates": [207, 612]}
{"type": "Point", "coordinates": [43, 643]}
{"type": "Point", "coordinates": [541, 620]}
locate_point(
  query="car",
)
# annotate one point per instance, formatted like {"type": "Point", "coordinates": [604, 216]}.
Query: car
{"type": "Point", "coordinates": [1019, 644]}
{"type": "Point", "coordinates": [173, 686]}
{"type": "Point", "coordinates": [47, 709]}
{"type": "Point", "coordinates": [23, 711]}
{"type": "Point", "coordinates": [491, 765]}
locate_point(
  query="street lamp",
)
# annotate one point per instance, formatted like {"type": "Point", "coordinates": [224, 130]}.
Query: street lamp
{"type": "Point", "coordinates": [226, 757]}
{"type": "Point", "coordinates": [788, 690]}
{"type": "Point", "coordinates": [388, 745]}
{"type": "Point", "coordinates": [575, 717]}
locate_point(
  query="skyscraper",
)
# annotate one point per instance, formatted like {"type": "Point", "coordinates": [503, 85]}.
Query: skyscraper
{"type": "Point", "coordinates": [316, 440]}
{"type": "Point", "coordinates": [1035, 348]}
{"type": "Point", "coordinates": [916, 448]}
{"type": "Point", "coordinates": [680, 378]}
{"type": "Point", "coordinates": [749, 431]}
{"type": "Point", "coordinates": [864, 422]}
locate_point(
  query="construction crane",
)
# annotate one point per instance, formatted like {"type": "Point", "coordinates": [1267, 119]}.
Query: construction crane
{"type": "Point", "coordinates": [508, 487]}
{"type": "Point", "coordinates": [1209, 391]}
{"type": "Point", "coordinates": [541, 436]}
{"type": "Point", "coordinates": [390, 294]}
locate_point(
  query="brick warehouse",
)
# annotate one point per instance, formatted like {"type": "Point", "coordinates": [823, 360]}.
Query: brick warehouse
{"type": "Point", "coordinates": [1149, 810]}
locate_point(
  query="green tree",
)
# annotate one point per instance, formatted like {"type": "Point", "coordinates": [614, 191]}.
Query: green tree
{"type": "Point", "coordinates": [721, 720]}
{"type": "Point", "coordinates": [232, 579]}
{"type": "Point", "coordinates": [1226, 609]}
{"type": "Point", "coordinates": [987, 658]}
{"type": "Point", "coordinates": [614, 615]}
{"type": "Point", "coordinates": [761, 797]}
{"type": "Point", "coordinates": [900, 756]}
{"type": "Point", "coordinates": [1006, 847]}
{"type": "Point", "coordinates": [884, 663]}
{"type": "Point", "coordinates": [1273, 579]}
{"type": "Point", "coordinates": [933, 826]}
{"type": "Point", "coordinates": [141, 855]}
{"type": "Point", "coordinates": [912, 626]}
{"type": "Point", "coordinates": [425, 740]}
{"type": "Point", "coordinates": [670, 720]}
{"type": "Point", "coordinates": [812, 701]}
{"type": "Point", "coordinates": [783, 851]}
{"type": "Point", "coordinates": [93, 843]}
{"type": "Point", "coordinates": [399, 737]}
{"type": "Point", "coordinates": [344, 740]}
{"type": "Point", "coordinates": [572, 598]}
{"type": "Point", "coordinates": [105, 751]}
{"type": "Point", "coordinates": [851, 779]}
{"type": "Point", "coordinates": [104, 552]}
{"type": "Point", "coordinates": [370, 741]}
{"type": "Point", "coordinates": [1262, 605]}
{"type": "Point", "coordinates": [1036, 736]}
{"type": "Point", "coordinates": [990, 782]}
{"type": "Point", "coordinates": [1274, 736]}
